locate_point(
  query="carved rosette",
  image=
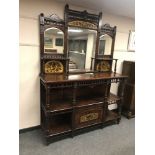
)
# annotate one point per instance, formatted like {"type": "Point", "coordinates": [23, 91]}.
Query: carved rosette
{"type": "Point", "coordinates": [82, 24]}
{"type": "Point", "coordinates": [54, 67]}
{"type": "Point", "coordinates": [103, 66]}
{"type": "Point", "coordinates": [89, 117]}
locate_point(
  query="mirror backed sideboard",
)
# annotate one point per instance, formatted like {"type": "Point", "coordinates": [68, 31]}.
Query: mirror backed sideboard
{"type": "Point", "coordinates": [76, 73]}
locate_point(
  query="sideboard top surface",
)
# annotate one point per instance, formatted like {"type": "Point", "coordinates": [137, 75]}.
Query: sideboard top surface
{"type": "Point", "coordinates": [50, 78]}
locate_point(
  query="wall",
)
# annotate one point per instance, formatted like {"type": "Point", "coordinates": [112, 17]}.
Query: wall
{"type": "Point", "coordinates": [29, 104]}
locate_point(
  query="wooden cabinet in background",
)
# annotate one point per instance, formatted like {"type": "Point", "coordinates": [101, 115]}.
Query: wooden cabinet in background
{"type": "Point", "coordinates": [128, 107]}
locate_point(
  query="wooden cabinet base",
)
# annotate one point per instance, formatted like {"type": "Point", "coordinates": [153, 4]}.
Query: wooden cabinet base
{"type": "Point", "coordinates": [73, 133]}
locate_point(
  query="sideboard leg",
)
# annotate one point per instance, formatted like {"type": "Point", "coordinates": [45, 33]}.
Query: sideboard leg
{"type": "Point", "coordinates": [121, 95]}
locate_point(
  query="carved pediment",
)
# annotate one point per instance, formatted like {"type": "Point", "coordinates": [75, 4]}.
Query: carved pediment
{"type": "Point", "coordinates": [53, 18]}
{"type": "Point", "coordinates": [107, 29]}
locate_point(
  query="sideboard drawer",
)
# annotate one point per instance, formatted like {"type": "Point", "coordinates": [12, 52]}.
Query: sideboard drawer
{"type": "Point", "coordinates": [88, 116]}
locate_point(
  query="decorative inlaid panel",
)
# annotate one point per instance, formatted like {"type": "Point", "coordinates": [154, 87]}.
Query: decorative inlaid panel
{"type": "Point", "coordinates": [54, 67]}
{"type": "Point", "coordinates": [103, 66]}
{"type": "Point", "coordinates": [82, 24]}
{"type": "Point", "coordinates": [89, 117]}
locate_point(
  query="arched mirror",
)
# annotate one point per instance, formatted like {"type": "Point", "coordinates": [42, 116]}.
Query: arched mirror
{"type": "Point", "coordinates": [105, 45]}
{"type": "Point", "coordinates": [81, 47]}
{"type": "Point", "coordinates": [104, 58]}
{"type": "Point", "coordinates": [106, 41]}
{"type": "Point", "coordinates": [53, 40]}
{"type": "Point", "coordinates": [53, 45]}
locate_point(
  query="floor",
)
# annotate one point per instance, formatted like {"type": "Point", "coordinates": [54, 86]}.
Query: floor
{"type": "Point", "coordinates": [111, 140]}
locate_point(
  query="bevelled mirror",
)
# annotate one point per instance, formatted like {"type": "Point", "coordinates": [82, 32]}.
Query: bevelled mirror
{"type": "Point", "coordinates": [53, 40]}
{"type": "Point", "coordinates": [81, 47]}
{"type": "Point", "coordinates": [105, 45]}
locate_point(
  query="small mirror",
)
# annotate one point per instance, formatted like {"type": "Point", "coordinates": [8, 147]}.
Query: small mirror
{"type": "Point", "coordinates": [53, 40]}
{"type": "Point", "coordinates": [105, 45]}
{"type": "Point", "coordinates": [81, 47]}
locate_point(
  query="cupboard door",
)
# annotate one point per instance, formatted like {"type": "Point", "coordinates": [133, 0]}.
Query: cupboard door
{"type": "Point", "coordinates": [88, 116]}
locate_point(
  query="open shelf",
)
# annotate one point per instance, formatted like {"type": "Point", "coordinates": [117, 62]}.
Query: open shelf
{"type": "Point", "coordinates": [111, 116]}
{"type": "Point", "coordinates": [60, 105]}
{"type": "Point", "coordinates": [87, 101]}
{"type": "Point", "coordinates": [60, 129]}
{"type": "Point", "coordinates": [112, 99]}
{"type": "Point", "coordinates": [60, 124]}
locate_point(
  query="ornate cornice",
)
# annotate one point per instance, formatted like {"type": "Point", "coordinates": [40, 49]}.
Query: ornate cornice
{"type": "Point", "coordinates": [82, 24]}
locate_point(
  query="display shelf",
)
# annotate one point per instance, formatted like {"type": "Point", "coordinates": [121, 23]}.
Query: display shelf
{"type": "Point", "coordinates": [59, 129]}
{"type": "Point", "coordinates": [83, 102]}
{"type": "Point", "coordinates": [60, 105]}
{"type": "Point", "coordinates": [112, 99]}
{"type": "Point", "coordinates": [60, 123]}
{"type": "Point", "coordinates": [111, 116]}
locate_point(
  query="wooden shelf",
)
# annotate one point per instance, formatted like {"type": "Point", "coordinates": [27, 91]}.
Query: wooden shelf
{"type": "Point", "coordinates": [83, 102]}
{"type": "Point", "coordinates": [54, 56]}
{"type": "Point", "coordinates": [60, 124]}
{"type": "Point", "coordinates": [112, 99]}
{"type": "Point", "coordinates": [104, 58]}
{"type": "Point", "coordinates": [111, 116]}
{"type": "Point", "coordinates": [80, 71]}
{"type": "Point", "coordinates": [59, 106]}
{"type": "Point", "coordinates": [60, 129]}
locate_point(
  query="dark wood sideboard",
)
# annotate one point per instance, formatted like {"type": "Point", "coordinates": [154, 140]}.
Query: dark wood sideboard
{"type": "Point", "coordinates": [71, 104]}
{"type": "Point", "coordinates": [76, 99]}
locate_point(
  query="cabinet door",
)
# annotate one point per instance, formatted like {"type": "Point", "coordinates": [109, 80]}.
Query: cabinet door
{"type": "Point", "coordinates": [88, 116]}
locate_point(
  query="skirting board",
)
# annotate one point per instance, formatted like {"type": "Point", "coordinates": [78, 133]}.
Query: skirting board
{"type": "Point", "coordinates": [29, 129]}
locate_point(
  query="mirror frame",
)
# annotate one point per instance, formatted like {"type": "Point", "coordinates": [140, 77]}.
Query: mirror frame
{"type": "Point", "coordinates": [84, 20]}
{"type": "Point", "coordinates": [52, 21]}
{"type": "Point", "coordinates": [79, 19]}
{"type": "Point", "coordinates": [105, 61]}
{"type": "Point", "coordinates": [46, 23]}
{"type": "Point", "coordinates": [110, 31]}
